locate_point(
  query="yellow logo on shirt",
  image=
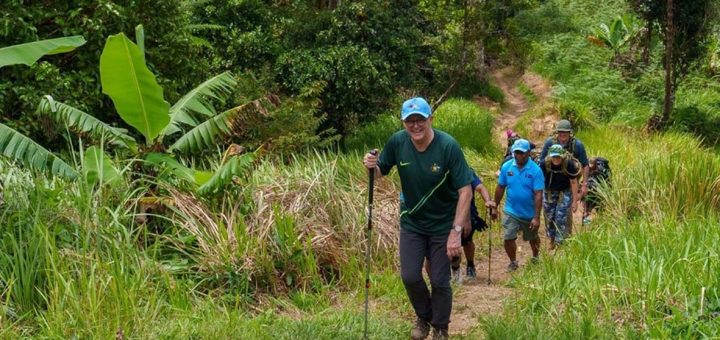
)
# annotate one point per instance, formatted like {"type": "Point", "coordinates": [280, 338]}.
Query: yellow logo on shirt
{"type": "Point", "coordinates": [435, 168]}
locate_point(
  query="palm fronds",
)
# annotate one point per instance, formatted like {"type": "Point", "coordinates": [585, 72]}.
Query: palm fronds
{"type": "Point", "coordinates": [209, 132]}
{"type": "Point", "coordinates": [84, 122]}
{"type": "Point", "coordinates": [19, 147]}
{"type": "Point", "coordinates": [198, 101]}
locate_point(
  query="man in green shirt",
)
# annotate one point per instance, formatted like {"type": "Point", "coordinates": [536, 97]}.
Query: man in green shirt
{"type": "Point", "coordinates": [435, 181]}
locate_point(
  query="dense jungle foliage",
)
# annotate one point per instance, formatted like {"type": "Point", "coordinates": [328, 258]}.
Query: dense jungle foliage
{"type": "Point", "coordinates": [191, 169]}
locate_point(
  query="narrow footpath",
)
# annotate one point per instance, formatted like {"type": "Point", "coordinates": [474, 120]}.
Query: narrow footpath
{"type": "Point", "coordinates": [477, 298]}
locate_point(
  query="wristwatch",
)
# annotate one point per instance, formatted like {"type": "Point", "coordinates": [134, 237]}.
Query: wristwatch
{"type": "Point", "coordinates": [458, 228]}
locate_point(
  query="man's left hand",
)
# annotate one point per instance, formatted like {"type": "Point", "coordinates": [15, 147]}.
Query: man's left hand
{"type": "Point", "coordinates": [454, 245]}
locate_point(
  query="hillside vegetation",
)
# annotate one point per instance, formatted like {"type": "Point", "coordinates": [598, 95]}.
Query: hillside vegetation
{"type": "Point", "coordinates": [267, 240]}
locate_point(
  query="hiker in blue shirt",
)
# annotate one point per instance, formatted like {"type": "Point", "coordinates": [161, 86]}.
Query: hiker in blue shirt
{"type": "Point", "coordinates": [524, 182]}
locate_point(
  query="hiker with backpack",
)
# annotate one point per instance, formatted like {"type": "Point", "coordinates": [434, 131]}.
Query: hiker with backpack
{"type": "Point", "coordinates": [524, 182]}
{"type": "Point", "coordinates": [512, 137]}
{"type": "Point", "coordinates": [599, 173]}
{"type": "Point", "coordinates": [576, 151]}
{"type": "Point", "coordinates": [560, 182]}
{"type": "Point", "coordinates": [435, 181]}
{"type": "Point", "coordinates": [478, 224]}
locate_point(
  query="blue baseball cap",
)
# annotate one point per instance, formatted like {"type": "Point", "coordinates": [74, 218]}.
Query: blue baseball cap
{"type": "Point", "coordinates": [413, 106]}
{"type": "Point", "coordinates": [521, 145]}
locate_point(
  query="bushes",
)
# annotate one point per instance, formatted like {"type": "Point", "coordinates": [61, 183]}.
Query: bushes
{"type": "Point", "coordinates": [351, 83]}
{"type": "Point", "coordinates": [468, 123]}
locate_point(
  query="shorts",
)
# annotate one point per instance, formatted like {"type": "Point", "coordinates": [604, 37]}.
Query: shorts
{"type": "Point", "coordinates": [512, 225]}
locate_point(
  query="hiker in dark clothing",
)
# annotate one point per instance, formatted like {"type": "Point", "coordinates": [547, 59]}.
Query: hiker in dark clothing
{"type": "Point", "coordinates": [575, 148]}
{"type": "Point", "coordinates": [599, 174]}
{"type": "Point", "coordinates": [478, 224]}
{"type": "Point", "coordinates": [435, 181]}
{"type": "Point", "coordinates": [560, 182]}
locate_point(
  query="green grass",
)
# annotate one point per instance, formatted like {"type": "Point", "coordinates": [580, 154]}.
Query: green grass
{"type": "Point", "coordinates": [468, 123]}
{"type": "Point", "coordinates": [527, 93]}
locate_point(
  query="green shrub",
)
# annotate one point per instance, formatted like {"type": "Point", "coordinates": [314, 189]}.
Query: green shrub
{"type": "Point", "coordinates": [702, 123]}
{"type": "Point", "coordinates": [374, 134]}
{"type": "Point", "coordinates": [469, 124]}
{"type": "Point", "coordinates": [351, 83]}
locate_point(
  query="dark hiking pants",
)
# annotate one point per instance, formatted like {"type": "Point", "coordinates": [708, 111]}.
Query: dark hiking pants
{"type": "Point", "coordinates": [432, 306]}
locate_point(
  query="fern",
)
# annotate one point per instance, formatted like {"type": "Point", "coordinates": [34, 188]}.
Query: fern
{"type": "Point", "coordinates": [197, 101]}
{"type": "Point", "coordinates": [17, 146]}
{"type": "Point", "coordinates": [83, 122]}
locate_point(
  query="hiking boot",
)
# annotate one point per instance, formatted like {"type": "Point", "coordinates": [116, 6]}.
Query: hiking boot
{"type": "Point", "coordinates": [456, 277]}
{"type": "Point", "coordinates": [421, 329]}
{"type": "Point", "coordinates": [513, 266]}
{"type": "Point", "coordinates": [440, 334]}
{"type": "Point", "coordinates": [470, 273]}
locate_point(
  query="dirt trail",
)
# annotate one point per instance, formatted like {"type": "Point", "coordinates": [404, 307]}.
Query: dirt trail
{"type": "Point", "coordinates": [474, 299]}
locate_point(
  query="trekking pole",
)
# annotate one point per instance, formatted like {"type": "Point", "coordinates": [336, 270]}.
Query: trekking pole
{"type": "Point", "coordinates": [371, 185]}
{"type": "Point", "coordinates": [489, 281]}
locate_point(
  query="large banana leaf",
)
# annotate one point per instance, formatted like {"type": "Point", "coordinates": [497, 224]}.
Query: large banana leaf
{"type": "Point", "coordinates": [208, 133]}
{"type": "Point", "coordinates": [99, 167]}
{"type": "Point", "coordinates": [169, 164]}
{"type": "Point", "coordinates": [236, 166]}
{"type": "Point", "coordinates": [17, 146]}
{"type": "Point", "coordinates": [198, 100]}
{"type": "Point", "coordinates": [29, 53]}
{"type": "Point", "coordinates": [84, 122]}
{"type": "Point", "coordinates": [137, 96]}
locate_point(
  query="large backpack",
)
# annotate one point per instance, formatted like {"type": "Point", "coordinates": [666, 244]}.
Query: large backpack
{"type": "Point", "coordinates": [569, 152]}
{"type": "Point", "coordinates": [569, 147]}
{"type": "Point", "coordinates": [602, 172]}
{"type": "Point", "coordinates": [567, 158]}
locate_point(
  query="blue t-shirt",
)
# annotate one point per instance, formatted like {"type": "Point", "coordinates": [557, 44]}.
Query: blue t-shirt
{"type": "Point", "coordinates": [579, 151]}
{"type": "Point", "coordinates": [520, 186]}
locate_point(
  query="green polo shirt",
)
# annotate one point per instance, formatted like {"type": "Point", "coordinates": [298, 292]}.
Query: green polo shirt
{"type": "Point", "coordinates": [429, 180]}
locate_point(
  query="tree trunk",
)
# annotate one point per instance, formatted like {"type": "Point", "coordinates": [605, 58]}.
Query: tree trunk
{"type": "Point", "coordinates": [647, 42]}
{"type": "Point", "coordinates": [669, 81]}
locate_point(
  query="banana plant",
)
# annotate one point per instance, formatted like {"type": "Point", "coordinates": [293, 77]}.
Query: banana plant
{"type": "Point", "coordinates": [139, 101]}
{"type": "Point", "coordinates": [615, 36]}
{"type": "Point", "coordinates": [14, 144]}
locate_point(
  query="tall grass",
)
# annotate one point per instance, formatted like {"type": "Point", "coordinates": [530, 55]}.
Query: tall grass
{"type": "Point", "coordinates": [663, 176]}
{"type": "Point", "coordinates": [73, 263]}
{"type": "Point", "coordinates": [468, 123]}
